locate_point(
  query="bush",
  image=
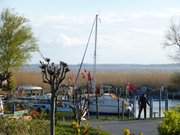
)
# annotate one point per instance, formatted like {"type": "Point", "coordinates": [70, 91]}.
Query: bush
{"type": "Point", "coordinates": [86, 130]}
{"type": "Point", "coordinates": [177, 109]}
{"type": "Point", "coordinates": [126, 131]}
{"type": "Point", "coordinates": [170, 124]}
{"type": "Point", "coordinates": [17, 127]}
{"type": "Point", "coordinates": [41, 127]}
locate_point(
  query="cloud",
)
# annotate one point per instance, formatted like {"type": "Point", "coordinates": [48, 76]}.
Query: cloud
{"type": "Point", "coordinates": [122, 37]}
{"type": "Point", "coordinates": [68, 41]}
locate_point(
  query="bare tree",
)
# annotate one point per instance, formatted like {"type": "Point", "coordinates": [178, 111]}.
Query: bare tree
{"type": "Point", "coordinates": [53, 75]}
{"type": "Point", "coordinates": [172, 38]}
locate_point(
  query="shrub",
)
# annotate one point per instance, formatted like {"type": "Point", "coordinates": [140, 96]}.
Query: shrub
{"type": "Point", "coordinates": [12, 127]}
{"type": "Point", "coordinates": [41, 127]}
{"type": "Point", "coordinates": [21, 127]}
{"type": "Point", "coordinates": [177, 109]}
{"type": "Point", "coordinates": [170, 124]}
{"type": "Point", "coordinates": [126, 131]}
{"type": "Point", "coordinates": [86, 130]}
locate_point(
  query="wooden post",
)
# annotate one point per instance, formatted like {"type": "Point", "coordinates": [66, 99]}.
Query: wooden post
{"type": "Point", "coordinates": [134, 106]}
{"type": "Point", "coordinates": [14, 108]}
{"type": "Point", "coordinates": [118, 102]}
{"type": "Point", "coordinates": [123, 109]}
{"type": "Point", "coordinates": [166, 101]}
{"type": "Point", "coordinates": [97, 107]}
{"type": "Point", "coordinates": [160, 99]}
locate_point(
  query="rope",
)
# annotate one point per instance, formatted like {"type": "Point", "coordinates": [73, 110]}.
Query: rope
{"type": "Point", "coordinates": [40, 53]}
{"type": "Point", "coordinates": [79, 70]}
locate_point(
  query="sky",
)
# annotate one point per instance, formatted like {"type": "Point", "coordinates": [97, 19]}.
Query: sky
{"type": "Point", "coordinates": [129, 31]}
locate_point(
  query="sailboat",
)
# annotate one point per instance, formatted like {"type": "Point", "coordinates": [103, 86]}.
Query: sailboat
{"type": "Point", "coordinates": [109, 104]}
{"type": "Point", "coordinates": [101, 104]}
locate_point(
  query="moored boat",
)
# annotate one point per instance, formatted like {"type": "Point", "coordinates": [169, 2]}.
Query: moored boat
{"type": "Point", "coordinates": [108, 104]}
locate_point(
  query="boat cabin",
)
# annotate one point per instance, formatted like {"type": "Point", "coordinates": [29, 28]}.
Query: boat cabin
{"type": "Point", "coordinates": [29, 91]}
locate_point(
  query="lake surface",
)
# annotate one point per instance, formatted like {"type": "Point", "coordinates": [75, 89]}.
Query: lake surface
{"type": "Point", "coordinates": [171, 103]}
{"type": "Point", "coordinates": [114, 67]}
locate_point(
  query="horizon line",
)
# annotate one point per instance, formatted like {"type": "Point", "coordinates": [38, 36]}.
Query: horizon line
{"type": "Point", "coordinates": [114, 64]}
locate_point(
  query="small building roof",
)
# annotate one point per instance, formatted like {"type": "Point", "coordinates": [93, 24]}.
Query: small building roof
{"type": "Point", "coordinates": [24, 87]}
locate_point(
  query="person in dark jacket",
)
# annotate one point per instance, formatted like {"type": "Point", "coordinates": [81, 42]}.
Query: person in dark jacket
{"type": "Point", "coordinates": [143, 101]}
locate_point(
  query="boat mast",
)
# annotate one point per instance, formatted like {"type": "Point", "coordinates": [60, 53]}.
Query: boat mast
{"type": "Point", "coordinates": [94, 66]}
{"type": "Point", "coordinates": [94, 69]}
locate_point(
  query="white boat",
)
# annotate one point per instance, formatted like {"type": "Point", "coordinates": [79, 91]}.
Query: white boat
{"type": "Point", "coordinates": [108, 104]}
{"type": "Point", "coordinates": [45, 106]}
{"type": "Point", "coordinates": [43, 103]}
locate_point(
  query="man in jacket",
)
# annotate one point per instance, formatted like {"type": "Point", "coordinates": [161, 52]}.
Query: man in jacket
{"type": "Point", "coordinates": [143, 101]}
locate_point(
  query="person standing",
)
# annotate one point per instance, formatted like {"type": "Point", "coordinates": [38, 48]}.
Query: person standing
{"type": "Point", "coordinates": [143, 101]}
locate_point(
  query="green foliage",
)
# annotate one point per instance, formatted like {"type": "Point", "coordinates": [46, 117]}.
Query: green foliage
{"type": "Point", "coordinates": [21, 127]}
{"type": "Point", "coordinates": [86, 130]}
{"type": "Point", "coordinates": [11, 84]}
{"type": "Point", "coordinates": [60, 116]}
{"type": "Point", "coordinates": [76, 127]}
{"type": "Point", "coordinates": [170, 124]}
{"type": "Point", "coordinates": [16, 41]}
{"type": "Point", "coordinates": [97, 132]}
{"type": "Point", "coordinates": [41, 127]}
{"type": "Point", "coordinates": [64, 115]}
{"type": "Point", "coordinates": [126, 131]}
{"type": "Point", "coordinates": [64, 129]}
{"type": "Point", "coordinates": [38, 127]}
{"type": "Point", "coordinates": [177, 108]}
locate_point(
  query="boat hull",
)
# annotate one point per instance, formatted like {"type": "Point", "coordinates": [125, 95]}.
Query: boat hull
{"type": "Point", "coordinates": [107, 104]}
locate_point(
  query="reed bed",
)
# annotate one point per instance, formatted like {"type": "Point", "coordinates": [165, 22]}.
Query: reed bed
{"type": "Point", "coordinates": [155, 79]}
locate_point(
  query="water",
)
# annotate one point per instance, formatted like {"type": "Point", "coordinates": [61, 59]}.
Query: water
{"type": "Point", "coordinates": [171, 103]}
{"type": "Point", "coordinates": [114, 67]}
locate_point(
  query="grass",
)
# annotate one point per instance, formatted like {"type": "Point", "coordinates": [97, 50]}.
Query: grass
{"type": "Point", "coordinates": [111, 118]}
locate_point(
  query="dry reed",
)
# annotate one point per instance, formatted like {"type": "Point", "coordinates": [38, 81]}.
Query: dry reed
{"type": "Point", "coordinates": [155, 79]}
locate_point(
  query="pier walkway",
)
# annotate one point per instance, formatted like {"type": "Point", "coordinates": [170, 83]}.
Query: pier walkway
{"type": "Point", "coordinates": [148, 127]}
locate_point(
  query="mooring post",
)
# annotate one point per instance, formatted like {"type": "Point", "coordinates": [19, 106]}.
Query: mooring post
{"type": "Point", "coordinates": [123, 109]}
{"type": "Point", "coordinates": [14, 108]}
{"type": "Point", "coordinates": [118, 102]}
{"type": "Point", "coordinates": [134, 106]}
{"type": "Point", "coordinates": [160, 99]}
{"type": "Point", "coordinates": [166, 101]}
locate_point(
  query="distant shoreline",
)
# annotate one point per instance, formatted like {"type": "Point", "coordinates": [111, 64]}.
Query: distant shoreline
{"type": "Point", "coordinates": [115, 67]}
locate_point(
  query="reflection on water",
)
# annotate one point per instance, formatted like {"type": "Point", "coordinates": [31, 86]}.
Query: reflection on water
{"type": "Point", "coordinates": [171, 103]}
